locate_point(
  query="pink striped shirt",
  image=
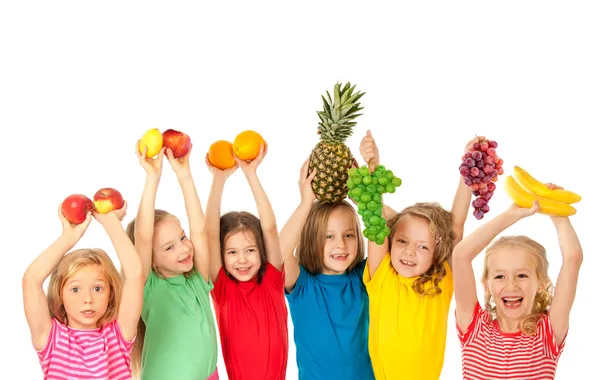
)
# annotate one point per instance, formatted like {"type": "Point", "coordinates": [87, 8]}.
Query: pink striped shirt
{"type": "Point", "coordinates": [100, 353]}
{"type": "Point", "coordinates": [488, 353]}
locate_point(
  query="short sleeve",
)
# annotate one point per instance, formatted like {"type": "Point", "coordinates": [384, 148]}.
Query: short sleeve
{"type": "Point", "coordinates": [381, 274]}
{"type": "Point", "coordinates": [220, 285]}
{"type": "Point", "coordinates": [124, 345]}
{"type": "Point", "coordinates": [45, 352]}
{"type": "Point", "coordinates": [477, 319]}
{"type": "Point", "coordinates": [150, 284]}
{"type": "Point", "coordinates": [551, 348]}
{"type": "Point", "coordinates": [199, 283]}
{"type": "Point", "coordinates": [272, 275]}
{"type": "Point", "coordinates": [299, 286]}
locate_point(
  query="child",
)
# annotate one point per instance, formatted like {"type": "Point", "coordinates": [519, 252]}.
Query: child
{"type": "Point", "coordinates": [247, 269]}
{"type": "Point", "coordinates": [180, 340]}
{"type": "Point", "coordinates": [521, 332]}
{"type": "Point", "coordinates": [328, 300]}
{"type": "Point", "coordinates": [409, 282]}
{"type": "Point", "coordinates": [86, 326]}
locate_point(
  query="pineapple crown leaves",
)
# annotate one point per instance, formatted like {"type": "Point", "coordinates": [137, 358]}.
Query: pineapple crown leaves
{"type": "Point", "coordinates": [337, 117]}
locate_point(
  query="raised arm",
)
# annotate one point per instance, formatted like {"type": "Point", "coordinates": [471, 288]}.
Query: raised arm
{"type": "Point", "coordinates": [290, 234]}
{"type": "Point", "coordinates": [193, 208]}
{"type": "Point", "coordinates": [132, 297]}
{"type": "Point", "coordinates": [266, 215]}
{"type": "Point", "coordinates": [465, 286]}
{"type": "Point", "coordinates": [144, 221]}
{"type": "Point", "coordinates": [213, 216]}
{"type": "Point", "coordinates": [564, 292]}
{"type": "Point", "coordinates": [34, 298]}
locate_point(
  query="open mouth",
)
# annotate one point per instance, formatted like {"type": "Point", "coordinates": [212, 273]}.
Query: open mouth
{"type": "Point", "coordinates": [88, 313]}
{"type": "Point", "coordinates": [243, 270]}
{"type": "Point", "coordinates": [339, 257]}
{"type": "Point", "coordinates": [407, 263]}
{"type": "Point", "coordinates": [512, 302]}
{"type": "Point", "coordinates": [186, 260]}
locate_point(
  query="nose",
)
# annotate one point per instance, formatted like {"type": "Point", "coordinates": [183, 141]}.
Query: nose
{"type": "Point", "coordinates": [87, 297]}
{"type": "Point", "coordinates": [340, 243]}
{"type": "Point", "coordinates": [511, 284]}
{"type": "Point", "coordinates": [409, 251]}
{"type": "Point", "coordinates": [242, 258]}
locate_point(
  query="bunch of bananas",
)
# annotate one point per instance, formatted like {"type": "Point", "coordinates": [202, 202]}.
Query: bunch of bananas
{"type": "Point", "coordinates": [523, 189]}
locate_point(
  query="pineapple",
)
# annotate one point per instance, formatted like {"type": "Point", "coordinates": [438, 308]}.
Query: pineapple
{"type": "Point", "coordinates": [330, 156]}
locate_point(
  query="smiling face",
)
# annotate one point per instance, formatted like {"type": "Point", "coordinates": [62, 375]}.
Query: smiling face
{"type": "Point", "coordinates": [512, 282]}
{"type": "Point", "coordinates": [172, 251]}
{"type": "Point", "coordinates": [241, 255]}
{"type": "Point", "coordinates": [85, 297]}
{"type": "Point", "coordinates": [412, 247]}
{"type": "Point", "coordinates": [341, 241]}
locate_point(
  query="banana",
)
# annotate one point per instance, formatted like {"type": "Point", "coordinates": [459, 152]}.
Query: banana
{"type": "Point", "coordinates": [524, 199]}
{"type": "Point", "coordinates": [536, 187]}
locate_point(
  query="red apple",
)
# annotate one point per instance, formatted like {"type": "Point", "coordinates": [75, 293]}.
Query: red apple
{"type": "Point", "coordinates": [75, 208]}
{"type": "Point", "coordinates": [107, 199]}
{"type": "Point", "coordinates": [178, 142]}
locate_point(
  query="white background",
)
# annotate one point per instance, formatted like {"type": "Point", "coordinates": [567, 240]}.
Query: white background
{"type": "Point", "coordinates": [81, 82]}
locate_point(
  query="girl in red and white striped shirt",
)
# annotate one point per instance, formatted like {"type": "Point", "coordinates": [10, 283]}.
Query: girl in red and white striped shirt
{"type": "Point", "coordinates": [520, 332]}
{"type": "Point", "coordinates": [86, 326]}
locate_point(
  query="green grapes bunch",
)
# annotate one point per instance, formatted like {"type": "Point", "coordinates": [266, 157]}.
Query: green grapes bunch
{"type": "Point", "coordinates": [366, 190]}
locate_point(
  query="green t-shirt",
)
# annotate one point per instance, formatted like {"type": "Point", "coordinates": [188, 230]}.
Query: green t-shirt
{"type": "Point", "coordinates": [180, 340]}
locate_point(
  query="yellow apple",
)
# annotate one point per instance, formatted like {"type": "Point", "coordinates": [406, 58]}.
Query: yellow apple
{"type": "Point", "coordinates": [153, 139]}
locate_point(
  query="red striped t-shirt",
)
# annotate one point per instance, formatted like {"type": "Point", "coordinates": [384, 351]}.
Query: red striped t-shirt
{"type": "Point", "coordinates": [100, 353]}
{"type": "Point", "coordinates": [488, 353]}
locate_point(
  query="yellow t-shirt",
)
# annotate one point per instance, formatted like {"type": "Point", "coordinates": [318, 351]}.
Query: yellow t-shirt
{"type": "Point", "coordinates": [407, 331]}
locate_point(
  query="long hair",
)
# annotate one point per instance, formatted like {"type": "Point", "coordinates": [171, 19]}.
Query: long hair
{"type": "Point", "coordinates": [68, 266]}
{"type": "Point", "coordinates": [242, 221]}
{"type": "Point", "coordinates": [543, 298]}
{"type": "Point", "coordinates": [440, 224]}
{"type": "Point", "coordinates": [312, 238]}
{"type": "Point", "coordinates": [138, 346]}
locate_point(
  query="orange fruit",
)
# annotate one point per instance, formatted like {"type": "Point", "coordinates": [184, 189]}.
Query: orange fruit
{"type": "Point", "coordinates": [220, 155]}
{"type": "Point", "coordinates": [246, 145]}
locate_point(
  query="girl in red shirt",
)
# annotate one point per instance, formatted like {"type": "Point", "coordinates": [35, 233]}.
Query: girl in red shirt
{"type": "Point", "coordinates": [247, 270]}
{"type": "Point", "coordinates": [520, 332]}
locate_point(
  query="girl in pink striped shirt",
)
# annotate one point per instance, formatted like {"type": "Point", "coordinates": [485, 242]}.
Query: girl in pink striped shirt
{"type": "Point", "coordinates": [521, 332]}
{"type": "Point", "coordinates": [85, 327]}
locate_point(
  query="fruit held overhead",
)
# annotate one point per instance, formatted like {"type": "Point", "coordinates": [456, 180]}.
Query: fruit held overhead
{"type": "Point", "coordinates": [153, 140]}
{"type": "Point", "coordinates": [107, 199]}
{"type": "Point", "coordinates": [366, 190]}
{"type": "Point", "coordinates": [177, 141]}
{"type": "Point", "coordinates": [331, 157]}
{"type": "Point", "coordinates": [246, 145]}
{"type": "Point", "coordinates": [526, 189]}
{"type": "Point", "coordinates": [480, 168]}
{"type": "Point", "coordinates": [220, 155]}
{"type": "Point", "coordinates": [75, 208]}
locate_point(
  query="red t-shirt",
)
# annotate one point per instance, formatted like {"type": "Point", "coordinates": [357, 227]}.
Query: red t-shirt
{"type": "Point", "coordinates": [252, 321]}
{"type": "Point", "coordinates": [488, 353]}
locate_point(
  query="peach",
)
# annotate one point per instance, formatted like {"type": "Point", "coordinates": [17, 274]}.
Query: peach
{"type": "Point", "coordinates": [75, 208]}
{"type": "Point", "coordinates": [177, 141]}
{"type": "Point", "coordinates": [107, 199]}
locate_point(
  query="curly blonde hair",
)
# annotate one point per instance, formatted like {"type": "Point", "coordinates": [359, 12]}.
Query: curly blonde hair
{"type": "Point", "coordinates": [440, 224]}
{"type": "Point", "coordinates": [68, 266]}
{"type": "Point", "coordinates": [543, 298]}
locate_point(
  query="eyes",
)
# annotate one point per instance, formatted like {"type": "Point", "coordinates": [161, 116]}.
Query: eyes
{"type": "Point", "coordinates": [419, 246]}
{"type": "Point", "coordinates": [520, 276]}
{"type": "Point", "coordinates": [171, 247]}
{"type": "Point", "coordinates": [348, 235]}
{"type": "Point", "coordinates": [249, 250]}
{"type": "Point", "coordinates": [96, 289]}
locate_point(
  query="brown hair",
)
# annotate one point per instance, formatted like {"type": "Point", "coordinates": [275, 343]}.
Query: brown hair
{"type": "Point", "coordinates": [312, 239]}
{"type": "Point", "coordinates": [440, 224]}
{"type": "Point", "coordinates": [543, 298]}
{"type": "Point", "coordinates": [242, 221]}
{"type": "Point", "coordinates": [68, 266]}
{"type": "Point", "coordinates": [138, 346]}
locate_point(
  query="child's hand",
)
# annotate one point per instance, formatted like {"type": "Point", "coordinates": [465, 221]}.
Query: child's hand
{"type": "Point", "coordinates": [118, 214]}
{"type": "Point", "coordinates": [250, 167]}
{"type": "Point", "coordinates": [555, 219]}
{"type": "Point", "coordinates": [477, 139]}
{"type": "Point", "coordinates": [181, 166]}
{"type": "Point", "coordinates": [522, 212]}
{"type": "Point", "coordinates": [369, 152]}
{"type": "Point", "coordinates": [73, 232]}
{"type": "Point", "coordinates": [221, 173]}
{"type": "Point", "coordinates": [307, 194]}
{"type": "Point", "coordinates": [152, 166]}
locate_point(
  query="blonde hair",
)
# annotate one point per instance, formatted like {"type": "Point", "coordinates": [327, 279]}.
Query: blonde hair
{"type": "Point", "coordinates": [543, 298]}
{"type": "Point", "coordinates": [312, 238]}
{"type": "Point", "coordinates": [440, 224]}
{"type": "Point", "coordinates": [68, 266]}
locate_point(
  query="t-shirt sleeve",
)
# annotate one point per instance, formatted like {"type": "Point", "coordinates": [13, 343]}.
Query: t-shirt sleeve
{"type": "Point", "coordinates": [44, 353]}
{"type": "Point", "coordinates": [381, 275]}
{"type": "Point", "coordinates": [124, 345]}
{"type": "Point", "coordinates": [220, 285]}
{"type": "Point", "coordinates": [272, 275]}
{"type": "Point", "coordinates": [199, 283]}
{"type": "Point", "coordinates": [300, 284]}
{"type": "Point", "coordinates": [474, 326]}
{"type": "Point", "coordinates": [150, 284]}
{"type": "Point", "coordinates": [551, 348]}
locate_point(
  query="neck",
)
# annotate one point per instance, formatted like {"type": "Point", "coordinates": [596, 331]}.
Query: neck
{"type": "Point", "coordinates": [509, 325]}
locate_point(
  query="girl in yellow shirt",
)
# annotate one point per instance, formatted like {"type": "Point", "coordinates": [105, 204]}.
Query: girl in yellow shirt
{"type": "Point", "coordinates": [409, 283]}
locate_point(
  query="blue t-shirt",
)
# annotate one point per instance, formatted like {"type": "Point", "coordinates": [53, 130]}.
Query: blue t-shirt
{"type": "Point", "coordinates": [331, 324]}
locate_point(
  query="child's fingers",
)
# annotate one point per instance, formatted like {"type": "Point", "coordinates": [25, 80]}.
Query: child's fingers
{"type": "Point", "coordinates": [304, 169]}
{"type": "Point", "coordinates": [312, 175]}
{"type": "Point", "coordinates": [61, 216]}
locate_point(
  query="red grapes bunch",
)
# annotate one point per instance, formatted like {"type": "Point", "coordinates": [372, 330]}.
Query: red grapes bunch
{"type": "Point", "coordinates": [480, 168]}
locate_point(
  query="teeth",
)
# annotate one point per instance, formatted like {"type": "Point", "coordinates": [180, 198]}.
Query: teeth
{"type": "Point", "coordinates": [512, 299]}
{"type": "Point", "coordinates": [408, 263]}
